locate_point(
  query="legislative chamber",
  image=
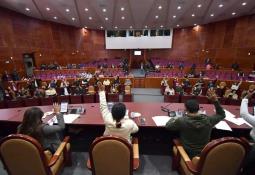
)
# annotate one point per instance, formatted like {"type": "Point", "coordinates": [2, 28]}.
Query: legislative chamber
{"type": "Point", "coordinates": [127, 87]}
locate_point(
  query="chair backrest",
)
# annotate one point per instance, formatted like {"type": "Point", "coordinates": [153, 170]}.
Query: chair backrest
{"type": "Point", "coordinates": [22, 154]}
{"type": "Point", "coordinates": [127, 90]}
{"type": "Point", "coordinates": [223, 156]}
{"type": "Point", "coordinates": [111, 155]}
{"type": "Point", "coordinates": [91, 89]}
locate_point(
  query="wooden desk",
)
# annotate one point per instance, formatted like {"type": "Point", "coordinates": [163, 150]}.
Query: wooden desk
{"type": "Point", "coordinates": [147, 110]}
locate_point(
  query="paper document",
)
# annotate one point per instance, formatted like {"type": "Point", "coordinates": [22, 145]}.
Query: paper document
{"type": "Point", "coordinates": [231, 118]}
{"type": "Point", "coordinates": [160, 120]}
{"type": "Point", "coordinates": [223, 126]}
{"type": "Point", "coordinates": [244, 122]}
{"type": "Point", "coordinates": [47, 113]}
{"type": "Point", "coordinates": [68, 118]}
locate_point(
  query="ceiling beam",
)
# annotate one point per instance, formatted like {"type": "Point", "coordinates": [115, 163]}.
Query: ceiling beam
{"type": "Point", "coordinates": [38, 9]}
{"type": "Point", "coordinates": [78, 13]}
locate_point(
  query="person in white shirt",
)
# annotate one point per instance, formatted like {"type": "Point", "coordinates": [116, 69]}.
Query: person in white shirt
{"type": "Point", "coordinates": [106, 82]}
{"type": "Point", "coordinates": [244, 113]}
{"type": "Point", "coordinates": [169, 91]}
{"type": "Point", "coordinates": [164, 82]}
{"type": "Point", "coordinates": [235, 86]}
{"type": "Point", "coordinates": [117, 123]}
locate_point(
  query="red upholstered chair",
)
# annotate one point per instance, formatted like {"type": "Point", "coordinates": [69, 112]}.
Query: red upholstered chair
{"type": "Point", "coordinates": [107, 149]}
{"type": "Point", "coordinates": [88, 98]}
{"type": "Point", "coordinates": [96, 98]}
{"type": "Point", "coordinates": [113, 97]}
{"type": "Point", "coordinates": [65, 98]}
{"type": "Point", "coordinates": [14, 103]}
{"type": "Point", "coordinates": [222, 156]}
{"type": "Point", "coordinates": [75, 99]}
{"type": "Point", "coordinates": [172, 98]}
{"type": "Point", "coordinates": [202, 99]}
{"type": "Point", "coordinates": [184, 98]}
{"type": "Point", "coordinates": [2, 105]}
{"type": "Point", "coordinates": [23, 155]}
{"type": "Point", "coordinates": [234, 102]}
{"type": "Point", "coordinates": [47, 101]}
{"type": "Point", "coordinates": [32, 102]}
{"type": "Point", "coordinates": [128, 98]}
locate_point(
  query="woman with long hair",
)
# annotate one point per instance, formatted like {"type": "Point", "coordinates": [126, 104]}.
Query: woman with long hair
{"type": "Point", "coordinates": [47, 135]}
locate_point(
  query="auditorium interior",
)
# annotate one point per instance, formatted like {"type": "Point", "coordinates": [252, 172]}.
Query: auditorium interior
{"type": "Point", "coordinates": [154, 56]}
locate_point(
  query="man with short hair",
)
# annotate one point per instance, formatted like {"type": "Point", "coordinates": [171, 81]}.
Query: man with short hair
{"type": "Point", "coordinates": [195, 128]}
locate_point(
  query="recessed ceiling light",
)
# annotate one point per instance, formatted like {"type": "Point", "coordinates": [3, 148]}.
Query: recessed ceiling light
{"type": "Point", "coordinates": [67, 10]}
{"type": "Point", "coordinates": [55, 17]}
{"type": "Point", "coordinates": [234, 13]}
{"type": "Point", "coordinates": [101, 27]}
{"type": "Point", "coordinates": [179, 7]}
{"type": "Point", "coordinates": [48, 9]}
{"type": "Point", "coordinates": [106, 19]}
{"type": "Point", "coordinates": [160, 7]}
{"type": "Point", "coordinates": [174, 16]}
{"type": "Point", "coordinates": [122, 8]}
{"type": "Point", "coordinates": [244, 3]}
{"type": "Point", "coordinates": [177, 25]}
{"type": "Point", "coordinates": [123, 17]}
{"type": "Point", "coordinates": [104, 10]}
{"type": "Point", "coordinates": [212, 15]}
{"type": "Point", "coordinates": [161, 26]}
{"type": "Point", "coordinates": [115, 27]}
{"type": "Point", "coordinates": [193, 15]}
{"type": "Point", "coordinates": [156, 16]}
{"type": "Point", "coordinates": [146, 27]}
{"type": "Point", "coordinates": [86, 9]}
{"type": "Point", "coordinates": [199, 5]}
{"type": "Point", "coordinates": [73, 19]}
{"type": "Point", "coordinates": [221, 5]}
{"type": "Point", "coordinates": [249, 53]}
{"type": "Point", "coordinates": [195, 24]}
{"type": "Point", "coordinates": [27, 9]}
{"type": "Point", "coordinates": [85, 27]}
{"type": "Point", "coordinates": [90, 18]}
{"type": "Point", "coordinates": [130, 27]}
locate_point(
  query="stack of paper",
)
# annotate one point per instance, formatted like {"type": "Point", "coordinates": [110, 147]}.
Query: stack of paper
{"type": "Point", "coordinates": [68, 118]}
{"type": "Point", "coordinates": [160, 120]}
{"type": "Point", "coordinates": [231, 118]}
{"type": "Point", "coordinates": [223, 126]}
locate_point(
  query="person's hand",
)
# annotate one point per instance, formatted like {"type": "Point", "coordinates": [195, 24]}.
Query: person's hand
{"type": "Point", "coordinates": [56, 108]}
{"type": "Point", "coordinates": [211, 94]}
{"type": "Point", "coordinates": [100, 86]}
{"type": "Point", "coordinates": [249, 94]}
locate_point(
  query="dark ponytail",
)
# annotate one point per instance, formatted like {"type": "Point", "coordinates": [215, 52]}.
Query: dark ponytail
{"type": "Point", "coordinates": [118, 124]}
{"type": "Point", "coordinates": [118, 113]}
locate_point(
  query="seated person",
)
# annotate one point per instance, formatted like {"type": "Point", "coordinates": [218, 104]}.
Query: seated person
{"type": "Point", "coordinates": [195, 128]}
{"type": "Point", "coordinates": [127, 82]}
{"type": "Point", "coordinates": [221, 88]}
{"type": "Point", "coordinates": [78, 90]}
{"type": "Point", "coordinates": [181, 65]}
{"type": "Point", "coordinates": [197, 89]}
{"type": "Point", "coordinates": [116, 81]}
{"type": "Point", "coordinates": [235, 66]}
{"type": "Point", "coordinates": [53, 84]}
{"type": "Point", "coordinates": [47, 135]}
{"type": "Point", "coordinates": [24, 92]}
{"type": "Point", "coordinates": [50, 92]}
{"type": "Point", "coordinates": [169, 91]}
{"type": "Point", "coordinates": [235, 86]}
{"type": "Point", "coordinates": [164, 82]}
{"type": "Point", "coordinates": [228, 93]}
{"type": "Point", "coordinates": [234, 95]}
{"type": "Point", "coordinates": [186, 83]}
{"type": "Point", "coordinates": [39, 92]}
{"type": "Point", "coordinates": [114, 89]}
{"type": "Point", "coordinates": [106, 82]}
{"type": "Point", "coordinates": [116, 123]}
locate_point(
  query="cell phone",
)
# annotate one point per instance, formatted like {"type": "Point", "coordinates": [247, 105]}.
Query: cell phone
{"type": "Point", "coordinates": [63, 107]}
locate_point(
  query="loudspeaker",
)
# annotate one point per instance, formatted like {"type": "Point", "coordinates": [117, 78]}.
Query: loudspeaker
{"type": "Point", "coordinates": [28, 59]}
